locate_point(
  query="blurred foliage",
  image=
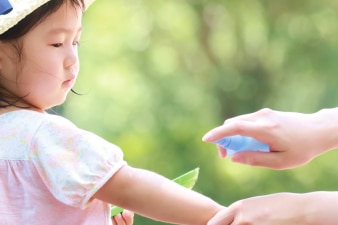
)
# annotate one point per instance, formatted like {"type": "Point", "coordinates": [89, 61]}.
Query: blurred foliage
{"type": "Point", "coordinates": [156, 75]}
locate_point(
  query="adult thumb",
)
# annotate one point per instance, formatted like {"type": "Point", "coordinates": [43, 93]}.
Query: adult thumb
{"type": "Point", "coordinates": [224, 217]}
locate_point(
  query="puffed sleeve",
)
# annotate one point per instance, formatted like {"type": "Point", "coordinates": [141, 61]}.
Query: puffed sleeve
{"type": "Point", "coordinates": [73, 163]}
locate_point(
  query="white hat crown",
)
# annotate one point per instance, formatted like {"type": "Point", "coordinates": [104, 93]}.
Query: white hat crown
{"type": "Point", "coordinates": [13, 11]}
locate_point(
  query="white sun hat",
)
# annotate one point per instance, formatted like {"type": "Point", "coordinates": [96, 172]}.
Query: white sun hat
{"type": "Point", "coordinates": [13, 11]}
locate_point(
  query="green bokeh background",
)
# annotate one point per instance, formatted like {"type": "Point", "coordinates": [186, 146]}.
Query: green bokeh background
{"type": "Point", "coordinates": [156, 75]}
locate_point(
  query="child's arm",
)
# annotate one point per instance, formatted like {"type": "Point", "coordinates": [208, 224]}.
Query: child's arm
{"type": "Point", "coordinates": [156, 197]}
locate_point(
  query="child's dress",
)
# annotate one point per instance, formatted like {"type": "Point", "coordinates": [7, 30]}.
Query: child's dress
{"type": "Point", "coordinates": [50, 169]}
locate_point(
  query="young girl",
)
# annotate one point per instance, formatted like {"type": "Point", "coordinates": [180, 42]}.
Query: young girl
{"type": "Point", "coordinates": [52, 172]}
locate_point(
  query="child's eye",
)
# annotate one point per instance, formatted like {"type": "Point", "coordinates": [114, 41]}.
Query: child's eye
{"type": "Point", "coordinates": [57, 45]}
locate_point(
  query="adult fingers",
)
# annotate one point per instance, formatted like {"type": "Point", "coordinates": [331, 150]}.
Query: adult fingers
{"type": "Point", "coordinates": [221, 151]}
{"type": "Point", "coordinates": [255, 116]}
{"type": "Point", "coordinates": [257, 130]}
{"type": "Point", "coordinates": [128, 217]}
{"type": "Point", "coordinates": [272, 160]}
{"type": "Point", "coordinates": [118, 220]}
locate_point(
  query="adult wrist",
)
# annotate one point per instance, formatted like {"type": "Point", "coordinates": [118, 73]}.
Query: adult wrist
{"type": "Point", "coordinates": [326, 121]}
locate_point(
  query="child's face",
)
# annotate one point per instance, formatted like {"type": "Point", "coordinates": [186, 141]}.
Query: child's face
{"type": "Point", "coordinates": [50, 62]}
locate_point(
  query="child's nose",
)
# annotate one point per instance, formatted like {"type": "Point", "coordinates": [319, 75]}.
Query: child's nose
{"type": "Point", "coordinates": [72, 57]}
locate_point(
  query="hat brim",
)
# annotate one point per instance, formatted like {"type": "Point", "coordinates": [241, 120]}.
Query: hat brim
{"type": "Point", "coordinates": [21, 9]}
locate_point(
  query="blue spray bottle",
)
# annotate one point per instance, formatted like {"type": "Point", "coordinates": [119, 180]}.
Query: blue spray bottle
{"type": "Point", "coordinates": [238, 143]}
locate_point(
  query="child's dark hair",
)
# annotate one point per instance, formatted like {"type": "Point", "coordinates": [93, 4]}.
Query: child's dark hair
{"type": "Point", "coordinates": [19, 30]}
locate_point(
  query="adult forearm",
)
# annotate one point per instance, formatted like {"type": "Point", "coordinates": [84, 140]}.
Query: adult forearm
{"type": "Point", "coordinates": [321, 207]}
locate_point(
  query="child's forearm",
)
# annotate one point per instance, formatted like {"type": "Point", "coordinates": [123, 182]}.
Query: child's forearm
{"type": "Point", "coordinates": [156, 197]}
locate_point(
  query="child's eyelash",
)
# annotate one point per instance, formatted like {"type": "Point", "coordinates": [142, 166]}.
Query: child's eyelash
{"type": "Point", "coordinates": [57, 45]}
{"type": "Point", "coordinates": [76, 43]}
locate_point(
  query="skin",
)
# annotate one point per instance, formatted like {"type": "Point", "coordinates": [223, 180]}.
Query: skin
{"type": "Point", "coordinates": [51, 65]}
{"type": "Point", "coordinates": [315, 208]}
{"type": "Point", "coordinates": [47, 73]}
{"type": "Point", "coordinates": [126, 218]}
{"type": "Point", "coordinates": [50, 61]}
{"type": "Point", "coordinates": [294, 140]}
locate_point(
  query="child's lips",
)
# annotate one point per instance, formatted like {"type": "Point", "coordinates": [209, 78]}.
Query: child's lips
{"type": "Point", "coordinates": [69, 82]}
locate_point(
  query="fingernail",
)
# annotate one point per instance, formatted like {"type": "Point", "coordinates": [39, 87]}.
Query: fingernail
{"type": "Point", "coordinates": [207, 137]}
{"type": "Point", "coordinates": [222, 153]}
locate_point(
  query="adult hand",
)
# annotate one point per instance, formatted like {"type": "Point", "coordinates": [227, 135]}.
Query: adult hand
{"type": "Point", "coordinates": [294, 138]}
{"type": "Point", "coordinates": [315, 208]}
{"type": "Point", "coordinates": [125, 218]}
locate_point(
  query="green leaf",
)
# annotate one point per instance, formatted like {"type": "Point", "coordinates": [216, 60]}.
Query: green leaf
{"type": "Point", "coordinates": [114, 210]}
{"type": "Point", "coordinates": [187, 180]}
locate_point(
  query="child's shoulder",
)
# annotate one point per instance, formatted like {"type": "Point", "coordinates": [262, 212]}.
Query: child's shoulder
{"type": "Point", "coordinates": [20, 127]}
{"type": "Point", "coordinates": [26, 114]}
{"type": "Point", "coordinates": [33, 119]}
